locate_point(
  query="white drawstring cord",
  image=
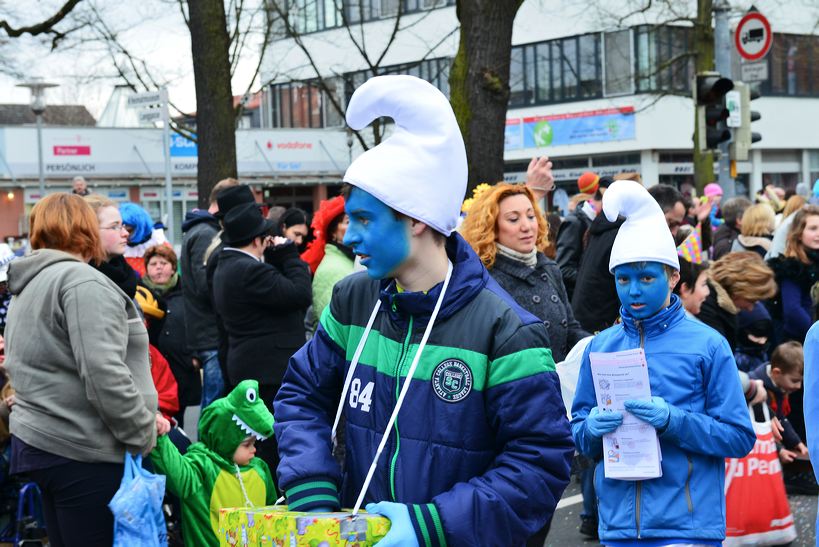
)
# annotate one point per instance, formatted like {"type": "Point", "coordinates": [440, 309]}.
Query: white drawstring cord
{"type": "Point", "coordinates": [404, 390]}
{"type": "Point", "coordinates": [353, 364]}
{"type": "Point", "coordinates": [242, 485]}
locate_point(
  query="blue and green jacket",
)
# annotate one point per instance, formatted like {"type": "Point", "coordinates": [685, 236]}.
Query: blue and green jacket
{"type": "Point", "coordinates": [690, 365]}
{"type": "Point", "coordinates": [481, 448]}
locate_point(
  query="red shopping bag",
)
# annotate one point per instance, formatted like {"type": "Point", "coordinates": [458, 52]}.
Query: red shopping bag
{"type": "Point", "coordinates": [757, 509]}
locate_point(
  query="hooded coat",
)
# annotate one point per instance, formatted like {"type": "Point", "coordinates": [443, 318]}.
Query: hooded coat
{"type": "Point", "coordinates": [206, 479]}
{"type": "Point", "coordinates": [481, 448]}
{"type": "Point", "coordinates": [77, 354]}
{"type": "Point", "coordinates": [200, 227]}
{"type": "Point", "coordinates": [691, 367]}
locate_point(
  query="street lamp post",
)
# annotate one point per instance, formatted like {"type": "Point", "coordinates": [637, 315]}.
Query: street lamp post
{"type": "Point", "coordinates": [38, 106]}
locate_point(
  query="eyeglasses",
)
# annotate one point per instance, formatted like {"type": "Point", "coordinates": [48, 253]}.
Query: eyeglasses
{"type": "Point", "coordinates": [114, 227]}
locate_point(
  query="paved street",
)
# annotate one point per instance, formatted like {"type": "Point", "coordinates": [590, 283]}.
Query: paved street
{"type": "Point", "coordinates": [564, 526]}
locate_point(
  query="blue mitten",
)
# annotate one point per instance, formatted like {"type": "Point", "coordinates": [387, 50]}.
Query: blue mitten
{"type": "Point", "coordinates": [401, 532]}
{"type": "Point", "coordinates": [655, 412]}
{"type": "Point", "coordinates": [599, 423]}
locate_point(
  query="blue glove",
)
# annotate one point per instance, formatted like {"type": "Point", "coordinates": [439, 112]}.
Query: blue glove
{"type": "Point", "coordinates": [655, 412]}
{"type": "Point", "coordinates": [401, 533]}
{"type": "Point", "coordinates": [599, 423]}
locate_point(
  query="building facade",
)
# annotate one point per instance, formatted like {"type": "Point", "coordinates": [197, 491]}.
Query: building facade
{"type": "Point", "coordinates": [595, 84]}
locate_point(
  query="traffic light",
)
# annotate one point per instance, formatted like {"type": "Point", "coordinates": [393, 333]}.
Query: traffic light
{"type": "Point", "coordinates": [743, 136]}
{"type": "Point", "coordinates": [709, 93]}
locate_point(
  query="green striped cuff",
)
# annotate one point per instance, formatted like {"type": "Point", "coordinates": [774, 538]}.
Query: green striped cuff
{"type": "Point", "coordinates": [427, 525]}
{"type": "Point", "coordinates": [312, 494]}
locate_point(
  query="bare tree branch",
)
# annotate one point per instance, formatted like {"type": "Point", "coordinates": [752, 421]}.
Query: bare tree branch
{"type": "Point", "coordinates": [44, 27]}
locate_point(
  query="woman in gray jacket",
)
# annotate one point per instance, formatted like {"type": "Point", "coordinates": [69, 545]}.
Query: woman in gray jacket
{"type": "Point", "coordinates": [77, 355]}
{"type": "Point", "coordinates": [506, 229]}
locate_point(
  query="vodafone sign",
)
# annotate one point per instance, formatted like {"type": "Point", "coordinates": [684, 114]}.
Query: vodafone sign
{"type": "Point", "coordinates": [753, 36]}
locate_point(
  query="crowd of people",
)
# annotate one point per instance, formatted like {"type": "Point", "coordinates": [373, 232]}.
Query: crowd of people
{"type": "Point", "coordinates": [437, 366]}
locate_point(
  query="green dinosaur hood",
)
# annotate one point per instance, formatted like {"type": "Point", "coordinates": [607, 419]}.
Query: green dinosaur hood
{"type": "Point", "coordinates": [228, 421]}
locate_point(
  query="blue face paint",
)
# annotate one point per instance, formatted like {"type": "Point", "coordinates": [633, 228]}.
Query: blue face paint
{"type": "Point", "coordinates": [374, 233]}
{"type": "Point", "coordinates": [642, 288]}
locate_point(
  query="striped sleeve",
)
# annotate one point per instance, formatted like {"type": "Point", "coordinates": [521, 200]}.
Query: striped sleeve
{"type": "Point", "coordinates": [427, 525]}
{"type": "Point", "coordinates": [312, 494]}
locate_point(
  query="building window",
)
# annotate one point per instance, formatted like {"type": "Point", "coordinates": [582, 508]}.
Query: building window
{"type": "Point", "coordinates": [301, 104]}
{"type": "Point", "coordinates": [664, 60]}
{"type": "Point", "coordinates": [791, 66]}
{"type": "Point", "coordinates": [619, 78]}
{"type": "Point", "coordinates": [308, 16]}
{"type": "Point", "coordinates": [556, 71]}
{"type": "Point", "coordinates": [435, 71]}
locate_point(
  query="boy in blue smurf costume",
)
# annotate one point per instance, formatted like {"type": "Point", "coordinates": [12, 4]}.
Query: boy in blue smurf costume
{"type": "Point", "coordinates": [697, 405]}
{"type": "Point", "coordinates": [479, 453]}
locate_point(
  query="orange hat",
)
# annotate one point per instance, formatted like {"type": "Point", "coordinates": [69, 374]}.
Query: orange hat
{"type": "Point", "coordinates": [328, 210]}
{"type": "Point", "coordinates": [588, 182]}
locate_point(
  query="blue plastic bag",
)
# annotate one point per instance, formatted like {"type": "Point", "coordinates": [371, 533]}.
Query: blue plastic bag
{"type": "Point", "coordinates": [137, 507]}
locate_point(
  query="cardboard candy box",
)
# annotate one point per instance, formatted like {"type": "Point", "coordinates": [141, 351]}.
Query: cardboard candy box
{"type": "Point", "coordinates": [276, 526]}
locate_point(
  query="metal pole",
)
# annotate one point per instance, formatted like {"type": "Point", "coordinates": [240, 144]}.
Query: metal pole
{"type": "Point", "coordinates": [722, 61]}
{"type": "Point", "coordinates": [40, 153]}
{"type": "Point", "coordinates": [166, 145]}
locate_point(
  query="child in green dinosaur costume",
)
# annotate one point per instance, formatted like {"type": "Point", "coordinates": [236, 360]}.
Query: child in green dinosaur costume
{"type": "Point", "coordinates": [220, 470]}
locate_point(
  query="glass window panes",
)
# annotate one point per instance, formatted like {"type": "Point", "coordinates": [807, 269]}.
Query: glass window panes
{"type": "Point", "coordinates": [570, 68]}
{"type": "Point", "coordinates": [516, 78]}
{"type": "Point", "coordinates": [617, 53]}
{"type": "Point", "coordinates": [543, 66]}
{"type": "Point", "coordinates": [588, 66]}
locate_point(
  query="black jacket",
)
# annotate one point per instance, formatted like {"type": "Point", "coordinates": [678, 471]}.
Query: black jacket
{"type": "Point", "coordinates": [171, 342]}
{"type": "Point", "coordinates": [200, 227]}
{"type": "Point", "coordinates": [723, 240]}
{"type": "Point", "coordinates": [720, 313]}
{"type": "Point", "coordinates": [262, 307]}
{"type": "Point", "coordinates": [570, 237]}
{"type": "Point", "coordinates": [779, 405]}
{"type": "Point", "coordinates": [540, 291]}
{"type": "Point", "coordinates": [595, 302]}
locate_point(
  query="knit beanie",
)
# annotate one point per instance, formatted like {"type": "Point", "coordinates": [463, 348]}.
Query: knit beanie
{"type": "Point", "coordinates": [420, 170]}
{"type": "Point", "coordinates": [587, 183]}
{"type": "Point", "coordinates": [644, 236]}
{"type": "Point", "coordinates": [712, 189]}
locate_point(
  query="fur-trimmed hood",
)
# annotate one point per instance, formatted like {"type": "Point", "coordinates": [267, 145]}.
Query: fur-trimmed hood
{"type": "Point", "coordinates": [723, 298]}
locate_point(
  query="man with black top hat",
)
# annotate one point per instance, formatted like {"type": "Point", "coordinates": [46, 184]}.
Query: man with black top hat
{"type": "Point", "coordinates": [261, 304]}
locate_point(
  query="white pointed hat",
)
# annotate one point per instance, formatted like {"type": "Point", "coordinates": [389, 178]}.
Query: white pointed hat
{"type": "Point", "coordinates": [420, 170]}
{"type": "Point", "coordinates": [644, 236]}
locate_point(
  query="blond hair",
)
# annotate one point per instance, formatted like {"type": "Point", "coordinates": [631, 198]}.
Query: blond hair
{"type": "Point", "coordinates": [758, 220]}
{"type": "Point", "coordinates": [221, 185]}
{"type": "Point", "coordinates": [480, 229]}
{"type": "Point", "coordinates": [794, 203]}
{"type": "Point", "coordinates": [98, 201]}
{"type": "Point", "coordinates": [744, 275]}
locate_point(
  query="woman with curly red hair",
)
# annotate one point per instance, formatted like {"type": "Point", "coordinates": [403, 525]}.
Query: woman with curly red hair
{"type": "Point", "coordinates": [506, 229]}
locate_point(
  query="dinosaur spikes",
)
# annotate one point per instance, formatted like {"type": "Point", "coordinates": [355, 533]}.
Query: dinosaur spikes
{"type": "Point", "coordinates": [247, 429]}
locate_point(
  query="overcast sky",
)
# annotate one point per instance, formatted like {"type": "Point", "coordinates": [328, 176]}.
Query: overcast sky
{"type": "Point", "coordinates": [152, 29]}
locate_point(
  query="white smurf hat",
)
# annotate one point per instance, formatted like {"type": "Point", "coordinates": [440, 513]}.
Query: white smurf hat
{"type": "Point", "coordinates": [644, 236]}
{"type": "Point", "coordinates": [420, 170]}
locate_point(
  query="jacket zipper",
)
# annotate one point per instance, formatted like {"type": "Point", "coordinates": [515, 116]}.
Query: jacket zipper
{"type": "Point", "coordinates": [399, 365]}
{"type": "Point", "coordinates": [688, 484]}
{"type": "Point", "coordinates": [639, 483]}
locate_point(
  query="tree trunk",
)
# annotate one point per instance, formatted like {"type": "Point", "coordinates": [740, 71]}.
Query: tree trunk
{"type": "Point", "coordinates": [703, 61]}
{"type": "Point", "coordinates": [215, 119]}
{"type": "Point", "coordinates": [479, 83]}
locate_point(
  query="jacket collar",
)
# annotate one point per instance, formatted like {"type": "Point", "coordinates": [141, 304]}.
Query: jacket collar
{"type": "Point", "coordinates": [469, 277]}
{"type": "Point", "coordinates": [723, 298]}
{"type": "Point", "coordinates": [656, 324]}
{"type": "Point", "coordinates": [518, 269]}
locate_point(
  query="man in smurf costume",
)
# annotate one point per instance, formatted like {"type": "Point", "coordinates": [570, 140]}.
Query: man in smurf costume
{"type": "Point", "coordinates": [479, 451]}
{"type": "Point", "coordinates": [697, 405]}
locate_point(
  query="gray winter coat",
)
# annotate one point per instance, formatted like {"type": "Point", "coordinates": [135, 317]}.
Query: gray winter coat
{"type": "Point", "coordinates": [77, 356]}
{"type": "Point", "coordinates": [541, 292]}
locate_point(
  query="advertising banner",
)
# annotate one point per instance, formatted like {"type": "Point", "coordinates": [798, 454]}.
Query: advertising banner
{"type": "Point", "coordinates": [605, 125]}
